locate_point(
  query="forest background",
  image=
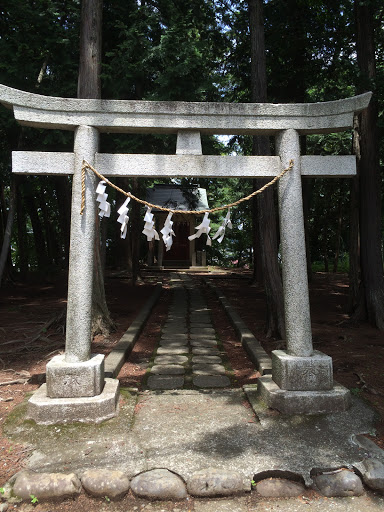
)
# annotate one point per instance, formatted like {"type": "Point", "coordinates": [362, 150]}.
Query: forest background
{"type": "Point", "coordinates": [280, 51]}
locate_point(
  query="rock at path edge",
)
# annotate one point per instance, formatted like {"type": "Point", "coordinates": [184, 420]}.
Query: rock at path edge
{"type": "Point", "coordinates": [340, 483]}
{"type": "Point", "coordinates": [159, 484]}
{"type": "Point", "coordinates": [215, 482]}
{"type": "Point", "coordinates": [46, 485]}
{"type": "Point", "coordinates": [105, 483]}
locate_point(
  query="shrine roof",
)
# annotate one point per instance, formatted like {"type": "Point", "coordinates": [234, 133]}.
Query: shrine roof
{"type": "Point", "coordinates": [173, 196]}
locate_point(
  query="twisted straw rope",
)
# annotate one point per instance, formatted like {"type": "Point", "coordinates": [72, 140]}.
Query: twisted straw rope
{"type": "Point", "coordinates": [86, 165]}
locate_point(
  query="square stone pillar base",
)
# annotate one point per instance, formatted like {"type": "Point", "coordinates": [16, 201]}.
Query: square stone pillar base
{"type": "Point", "coordinates": [336, 399]}
{"type": "Point", "coordinates": [50, 411]}
{"type": "Point", "coordinates": [293, 373]}
{"type": "Point", "coordinates": [73, 380]}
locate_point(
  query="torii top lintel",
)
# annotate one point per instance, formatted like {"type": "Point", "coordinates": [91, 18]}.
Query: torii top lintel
{"type": "Point", "coordinates": [170, 116]}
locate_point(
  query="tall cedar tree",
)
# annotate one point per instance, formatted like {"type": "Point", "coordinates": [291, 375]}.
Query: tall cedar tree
{"type": "Point", "coordinates": [89, 87]}
{"type": "Point", "coordinates": [371, 294]}
{"type": "Point", "coordinates": [265, 218]}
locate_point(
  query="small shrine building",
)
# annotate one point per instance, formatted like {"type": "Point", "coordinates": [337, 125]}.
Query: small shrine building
{"type": "Point", "coordinates": [183, 253]}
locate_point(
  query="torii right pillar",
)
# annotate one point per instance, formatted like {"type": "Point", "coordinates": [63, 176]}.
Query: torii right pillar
{"type": "Point", "coordinates": [302, 378]}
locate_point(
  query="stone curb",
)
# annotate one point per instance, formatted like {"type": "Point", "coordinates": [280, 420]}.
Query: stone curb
{"type": "Point", "coordinates": [252, 346]}
{"type": "Point", "coordinates": [115, 360]}
{"type": "Point", "coordinates": [162, 484]}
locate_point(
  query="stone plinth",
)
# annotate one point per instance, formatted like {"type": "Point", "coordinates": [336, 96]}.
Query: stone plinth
{"type": "Point", "coordinates": [292, 373]}
{"type": "Point", "coordinates": [50, 411]}
{"type": "Point", "coordinates": [73, 380]}
{"type": "Point", "coordinates": [303, 402]}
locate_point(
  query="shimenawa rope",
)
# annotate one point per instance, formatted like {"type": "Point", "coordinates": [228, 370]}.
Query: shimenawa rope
{"type": "Point", "coordinates": [86, 166]}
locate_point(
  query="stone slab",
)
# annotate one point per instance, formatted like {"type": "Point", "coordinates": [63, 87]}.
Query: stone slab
{"type": "Point", "coordinates": [203, 342]}
{"type": "Point", "coordinates": [211, 381]}
{"type": "Point", "coordinates": [165, 382]}
{"type": "Point", "coordinates": [206, 360]}
{"type": "Point", "coordinates": [293, 373]}
{"type": "Point", "coordinates": [205, 351]}
{"type": "Point", "coordinates": [202, 331]}
{"type": "Point", "coordinates": [303, 402]}
{"type": "Point", "coordinates": [186, 431]}
{"type": "Point", "coordinates": [170, 360]}
{"type": "Point", "coordinates": [168, 369]}
{"type": "Point", "coordinates": [208, 369]}
{"type": "Point", "coordinates": [174, 337]}
{"type": "Point", "coordinates": [179, 343]}
{"type": "Point", "coordinates": [169, 350]}
{"type": "Point", "coordinates": [72, 380]}
{"type": "Point", "coordinates": [49, 411]}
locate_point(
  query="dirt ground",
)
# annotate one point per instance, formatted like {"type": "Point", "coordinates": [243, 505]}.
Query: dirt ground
{"type": "Point", "coordinates": [32, 331]}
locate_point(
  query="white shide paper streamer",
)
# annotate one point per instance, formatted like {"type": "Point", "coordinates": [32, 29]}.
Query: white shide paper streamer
{"type": "Point", "coordinates": [123, 218]}
{"type": "Point", "coordinates": [104, 206]}
{"type": "Point", "coordinates": [221, 231]}
{"type": "Point", "coordinates": [168, 232]}
{"type": "Point", "coordinates": [203, 228]}
{"type": "Point", "coordinates": [149, 229]}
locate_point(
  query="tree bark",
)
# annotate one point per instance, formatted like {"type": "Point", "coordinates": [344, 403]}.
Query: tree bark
{"type": "Point", "coordinates": [372, 279]}
{"type": "Point", "coordinates": [266, 218]}
{"type": "Point", "coordinates": [89, 86]}
{"type": "Point", "coordinates": [8, 229]}
{"type": "Point", "coordinates": [354, 236]}
{"type": "Point", "coordinates": [38, 236]}
{"type": "Point", "coordinates": [21, 229]}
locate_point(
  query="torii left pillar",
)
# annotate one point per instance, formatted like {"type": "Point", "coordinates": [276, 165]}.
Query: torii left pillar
{"type": "Point", "coordinates": [76, 389]}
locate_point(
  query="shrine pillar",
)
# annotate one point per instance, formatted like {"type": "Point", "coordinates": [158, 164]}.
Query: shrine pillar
{"type": "Point", "coordinates": [302, 379]}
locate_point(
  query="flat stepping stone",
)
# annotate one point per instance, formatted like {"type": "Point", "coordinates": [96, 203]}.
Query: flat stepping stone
{"type": "Point", "coordinates": [165, 382]}
{"type": "Point", "coordinates": [206, 359]}
{"type": "Point", "coordinates": [203, 331]}
{"type": "Point", "coordinates": [170, 360]}
{"type": "Point", "coordinates": [171, 324]}
{"type": "Point", "coordinates": [205, 351]}
{"type": "Point", "coordinates": [204, 343]}
{"type": "Point", "coordinates": [175, 344]}
{"type": "Point", "coordinates": [208, 369]}
{"type": "Point", "coordinates": [170, 331]}
{"type": "Point", "coordinates": [200, 315]}
{"type": "Point", "coordinates": [169, 350]}
{"type": "Point", "coordinates": [198, 321]}
{"type": "Point", "coordinates": [211, 381]}
{"type": "Point", "coordinates": [199, 337]}
{"type": "Point", "coordinates": [174, 336]}
{"type": "Point", "coordinates": [168, 369]}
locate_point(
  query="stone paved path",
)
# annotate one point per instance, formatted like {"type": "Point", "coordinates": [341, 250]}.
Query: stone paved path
{"type": "Point", "coordinates": [188, 353]}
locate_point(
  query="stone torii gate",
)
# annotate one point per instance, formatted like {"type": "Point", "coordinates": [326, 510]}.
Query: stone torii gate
{"type": "Point", "coordinates": [301, 380]}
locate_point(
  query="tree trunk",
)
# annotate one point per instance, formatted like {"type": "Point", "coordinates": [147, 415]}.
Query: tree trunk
{"type": "Point", "coordinates": [63, 193]}
{"type": "Point", "coordinates": [266, 218]}
{"type": "Point", "coordinates": [372, 279]}
{"type": "Point", "coordinates": [41, 253]}
{"type": "Point", "coordinates": [8, 229]}
{"type": "Point", "coordinates": [21, 229]}
{"type": "Point", "coordinates": [89, 86]}
{"type": "Point", "coordinates": [338, 228]}
{"type": "Point", "coordinates": [354, 236]}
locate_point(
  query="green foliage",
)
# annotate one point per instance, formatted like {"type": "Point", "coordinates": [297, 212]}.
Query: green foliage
{"type": "Point", "coordinates": [190, 51]}
{"type": "Point", "coordinates": [34, 500]}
